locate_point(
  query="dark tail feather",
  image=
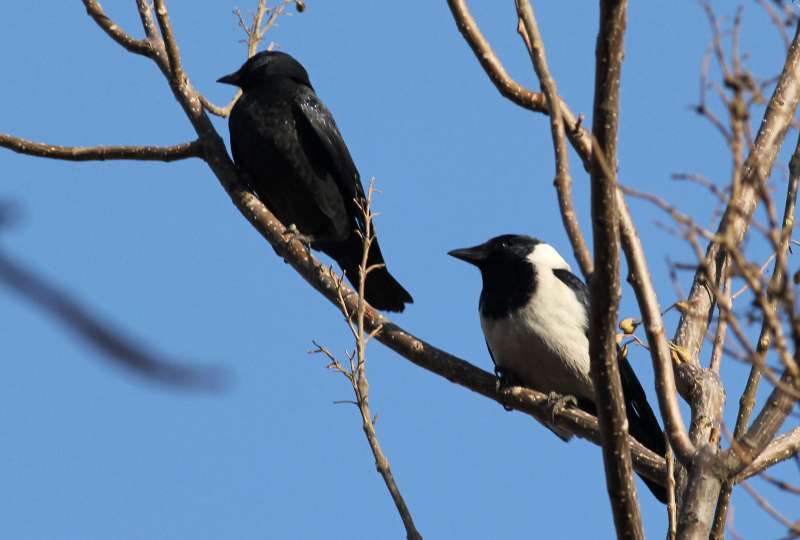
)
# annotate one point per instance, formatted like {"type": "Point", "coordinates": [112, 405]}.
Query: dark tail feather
{"type": "Point", "coordinates": [642, 423]}
{"type": "Point", "coordinates": [382, 291]}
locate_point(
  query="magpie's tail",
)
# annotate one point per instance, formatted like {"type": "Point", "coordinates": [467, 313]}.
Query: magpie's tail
{"type": "Point", "coordinates": [381, 290]}
{"type": "Point", "coordinates": [642, 423]}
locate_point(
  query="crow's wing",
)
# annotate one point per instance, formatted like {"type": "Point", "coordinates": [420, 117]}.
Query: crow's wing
{"type": "Point", "coordinates": [318, 132]}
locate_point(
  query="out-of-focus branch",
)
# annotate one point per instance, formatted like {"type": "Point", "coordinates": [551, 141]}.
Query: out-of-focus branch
{"type": "Point", "coordinates": [101, 153]}
{"type": "Point", "coordinates": [110, 342]}
{"type": "Point", "coordinates": [356, 374]}
{"type": "Point", "coordinates": [605, 283]}
{"type": "Point", "coordinates": [563, 180]}
{"type": "Point", "coordinates": [793, 528]}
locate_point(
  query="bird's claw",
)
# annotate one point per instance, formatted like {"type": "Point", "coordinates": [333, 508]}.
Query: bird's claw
{"type": "Point", "coordinates": [293, 233]}
{"type": "Point", "coordinates": [505, 379]}
{"type": "Point", "coordinates": [558, 403]}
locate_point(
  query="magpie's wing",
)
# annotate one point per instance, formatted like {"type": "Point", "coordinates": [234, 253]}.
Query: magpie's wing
{"type": "Point", "coordinates": [317, 131]}
{"type": "Point", "coordinates": [579, 288]}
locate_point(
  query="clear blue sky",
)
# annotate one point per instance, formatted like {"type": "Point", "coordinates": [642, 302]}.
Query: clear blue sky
{"type": "Point", "coordinates": [89, 452]}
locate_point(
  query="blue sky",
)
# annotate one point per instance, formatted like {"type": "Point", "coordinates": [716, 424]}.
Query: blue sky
{"type": "Point", "coordinates": [90, 452]}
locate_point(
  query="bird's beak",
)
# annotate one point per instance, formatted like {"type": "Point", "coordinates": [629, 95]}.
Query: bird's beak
{"type": "Point", "coordinates": [233, 79]}
{"type": "Point", "coordinates": [473, 255]}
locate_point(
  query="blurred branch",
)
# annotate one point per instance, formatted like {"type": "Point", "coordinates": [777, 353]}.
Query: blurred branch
{"type": "Point", "coordinates": [111, 343]}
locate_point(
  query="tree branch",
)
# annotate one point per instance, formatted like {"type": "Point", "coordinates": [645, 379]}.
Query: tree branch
{"type": "Point", "coordinates": [756, 169]}
{"type": "Point", "coordinates": [782, 448]}
{"type": "Point", "coordinates": [748, 399]}
{"type": "Point", "coordinates": [101, 153]}
{"type": "Point", "coordinates": [131, 44]}
{"type": "Point", "coordinates": [605, 283]}
{"type": "Point", "coordinates": [516, 93]}
{"type": "Point", "coordinates": [563, 181]}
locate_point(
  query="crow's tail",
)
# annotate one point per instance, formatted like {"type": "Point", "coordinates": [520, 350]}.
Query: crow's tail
{"type": "Point", "coordinates": [381, 290]}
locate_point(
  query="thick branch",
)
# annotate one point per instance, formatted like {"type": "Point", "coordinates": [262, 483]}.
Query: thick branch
{"type": "Point", "coordinates": [102, 153]}
{"type": "Point", "coordinates": [605, 283]}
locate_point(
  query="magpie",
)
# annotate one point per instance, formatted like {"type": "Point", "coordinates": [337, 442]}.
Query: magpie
{"type": "Point", "coordinates": [290, 153]}
{"type": "Point", "coordinates": [534, 313]}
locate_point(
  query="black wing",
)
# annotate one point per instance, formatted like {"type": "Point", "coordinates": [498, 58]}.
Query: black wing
{"type": "Point", "coordinates": [317, 129]}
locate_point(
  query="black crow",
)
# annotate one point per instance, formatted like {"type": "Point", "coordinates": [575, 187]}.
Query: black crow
{"type": "Point", "coordinates": [290, 152]}
{"type": "Point", "coordinates": [534, 314]}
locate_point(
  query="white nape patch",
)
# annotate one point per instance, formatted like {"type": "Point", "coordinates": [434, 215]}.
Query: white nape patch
{"type": "Point", "coordinates": [546, 256]}
{"type": "Point", "coordinates": [544, 342]}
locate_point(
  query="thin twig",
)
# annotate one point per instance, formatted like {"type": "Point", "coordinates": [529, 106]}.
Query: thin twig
{"type": "Point", "coordinates": [529, 31]}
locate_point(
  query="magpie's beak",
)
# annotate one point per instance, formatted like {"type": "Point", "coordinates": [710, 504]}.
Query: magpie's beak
{"type": "Point", "coordinates": [474, 255]}
{"type": "Point", "coordinates": [233, 79]}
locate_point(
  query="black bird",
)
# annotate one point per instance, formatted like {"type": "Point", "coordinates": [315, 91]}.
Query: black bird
{"type": "Point", "coordinates": [534, 314]}
{"type": "Point", "coordinates": [290, 152]}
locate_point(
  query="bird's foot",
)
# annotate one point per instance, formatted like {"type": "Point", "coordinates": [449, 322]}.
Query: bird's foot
{"type": "Point", "coordinates": [293, 233]}
{"type": "Point", "coordinates": [558, 403]}
{"type": "Point", "coordinates": [505, 379]}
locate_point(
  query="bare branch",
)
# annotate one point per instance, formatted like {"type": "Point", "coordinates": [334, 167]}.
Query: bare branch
{"type": "Point", "coordinates": [510, 89]}
{"type": "Point", "coordinates": [781, 449]}
{"type": "Point", "coordinates": [605, 284]}
{"type": "Point", "coordinates": [101, 153]}
{"type": "Point", "coordinates": [780, 111]}
{"type": "Point", "coordinates": [136, 46]}
{"type": "Point", "coordinates": [170, 44]}
{"type": "Point", "coordinates": [563, 181]}
{"type": "Point", "coordinates": [359, 379]}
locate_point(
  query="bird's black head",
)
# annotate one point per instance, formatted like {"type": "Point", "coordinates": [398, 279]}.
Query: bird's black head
{"type": "Point", "coordinates": [509, 276]}
{"type": "Point", "coordinates": [265, 65]}
{"type": "Point", "coordinates": [499, 252]}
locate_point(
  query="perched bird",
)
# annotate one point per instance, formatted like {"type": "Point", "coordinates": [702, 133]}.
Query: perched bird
{"type": "Point", "coordinates": [290, 152]}
{"type": "Point", "coordinates": [535, 316]}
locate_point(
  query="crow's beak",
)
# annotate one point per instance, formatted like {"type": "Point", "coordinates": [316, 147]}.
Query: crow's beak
{"type": "Point", "coordinates": [233, 79]}
{"type": "Point", "coordinates": [474, 255]}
